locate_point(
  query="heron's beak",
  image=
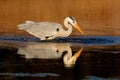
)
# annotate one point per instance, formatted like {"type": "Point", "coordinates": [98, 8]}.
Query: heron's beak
{"type": "Point", "coordinates": [78, 27]}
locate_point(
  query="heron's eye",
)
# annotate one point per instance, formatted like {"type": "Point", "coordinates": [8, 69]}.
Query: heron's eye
{"type": "Point", "coordinates": [57, 29]}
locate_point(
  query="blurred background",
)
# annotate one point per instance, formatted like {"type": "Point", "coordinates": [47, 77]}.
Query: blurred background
{"type": "Point", "coordinates": [96, 17]}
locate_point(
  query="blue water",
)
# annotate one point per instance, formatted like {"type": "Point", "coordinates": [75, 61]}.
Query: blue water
{"type": "Point", "coordinates": [86, 40]}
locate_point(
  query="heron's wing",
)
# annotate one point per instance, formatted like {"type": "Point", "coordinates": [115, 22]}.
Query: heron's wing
{"type": "Point", "coordinates": [44, 28]}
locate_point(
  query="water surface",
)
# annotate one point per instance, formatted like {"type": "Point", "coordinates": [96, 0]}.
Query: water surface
{"type": "Point", "coordinates": [72, 58]}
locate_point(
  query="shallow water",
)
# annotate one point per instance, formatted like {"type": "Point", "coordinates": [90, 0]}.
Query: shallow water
{"type": "Point", "coordinates": [81, 58]}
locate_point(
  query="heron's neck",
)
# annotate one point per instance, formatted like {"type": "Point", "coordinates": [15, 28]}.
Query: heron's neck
{"type": "Point", "coordinates": [69, 27]}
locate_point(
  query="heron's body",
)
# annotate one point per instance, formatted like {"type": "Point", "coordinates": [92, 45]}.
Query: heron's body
{"type": "Point", "coordinates": [42, 30]}
{"type": "Point", "coordinates": [50, 28]}
{"type": "Point", "coordinates": [46, 30]}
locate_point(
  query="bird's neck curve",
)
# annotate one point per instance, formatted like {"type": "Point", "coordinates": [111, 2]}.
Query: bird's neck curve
{"type": "Point", "coordinates": [69, 28]}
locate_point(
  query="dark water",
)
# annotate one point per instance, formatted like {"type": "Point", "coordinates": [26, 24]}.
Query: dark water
{"type": "Point", "coordinates": [81, 58]}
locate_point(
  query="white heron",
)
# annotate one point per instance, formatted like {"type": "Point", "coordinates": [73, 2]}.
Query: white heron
{"type": "Point", "coordinates": [50, 30]}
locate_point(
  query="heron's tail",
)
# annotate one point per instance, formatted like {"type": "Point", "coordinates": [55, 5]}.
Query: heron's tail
{"type": "Point", "coordinates": [26, 25]}
{"type": "Point", "coordinates": [23, 26]}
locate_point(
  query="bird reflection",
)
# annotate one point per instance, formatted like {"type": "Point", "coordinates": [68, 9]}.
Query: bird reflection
{"type": "Point", "coordinates": [70, 60]}
{"type": "Point", "coordinates": [48, 50]}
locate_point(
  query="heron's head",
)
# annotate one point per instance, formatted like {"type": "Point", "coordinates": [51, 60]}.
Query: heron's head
{"type": "Point", "coordinates": [72, 21]}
